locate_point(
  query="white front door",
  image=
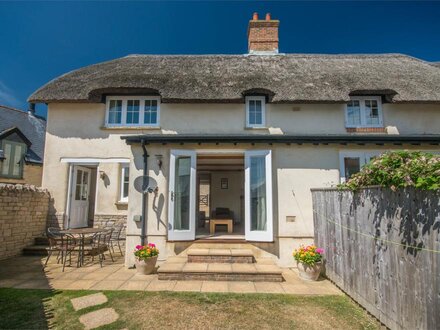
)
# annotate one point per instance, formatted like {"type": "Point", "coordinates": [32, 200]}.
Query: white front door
{"type": "Point", "coordinates": [258, 196]}
{"type": "Point", "coordinates": [182, 196]}
{"type": "Point", "coordinates": [79, 204]}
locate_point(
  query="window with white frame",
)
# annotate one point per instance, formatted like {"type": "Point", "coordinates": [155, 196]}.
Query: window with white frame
{"type": "Point", "coordinates": [365, 111]}
{"type": "Point", "coordinates": [255, 111]}
{"type": "Point", "coordinates": [351, 162]}
{"type": "Point", "coordinates": [132, 111]}
{"type": "Point", "coordinates": [11, 166]}
{"type": "Point", "coordinates": [125, 174]}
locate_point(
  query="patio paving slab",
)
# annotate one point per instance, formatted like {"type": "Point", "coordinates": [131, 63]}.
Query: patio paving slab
{"type": "Point", "coordinates": [99, 318]}
{"type": "Point", "coordinates": [134, 285]}
{"type": "Point", "coordinates": [88, 301]}
{"type": "Point", "coordinates": [107, 285]}
{"type": "Point", "coordinates": [188, 286]}
{"type": "Point", "coordinates": [269, 287]}
{"type": "Point", "coordinates": [214, 286]}
{"type": "Point", "coordinates": [157, 285]}
{"type": "Point", "coordinates": [242, 287]}
{"type": "Point", "coordinates": [80, 285]}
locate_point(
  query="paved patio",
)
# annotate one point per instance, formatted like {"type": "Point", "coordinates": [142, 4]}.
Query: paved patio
{"type": "Point", "coordinates": [27, 272]}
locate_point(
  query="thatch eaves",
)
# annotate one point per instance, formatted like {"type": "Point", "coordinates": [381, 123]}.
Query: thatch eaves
{"type": "Point", "coordinates": [287, 78]}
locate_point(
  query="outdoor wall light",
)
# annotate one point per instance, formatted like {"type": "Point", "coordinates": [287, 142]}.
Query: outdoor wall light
{"type": "Point", "coordinates": [102, 175]}
{"type": "Point", "coordinates": [159, 160]}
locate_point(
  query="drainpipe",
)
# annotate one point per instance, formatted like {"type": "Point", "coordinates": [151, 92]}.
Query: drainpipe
{"type": "Point", "coordinates": [144, 193]}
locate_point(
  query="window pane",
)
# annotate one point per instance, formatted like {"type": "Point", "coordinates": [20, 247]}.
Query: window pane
{"type": "Point", "coordinates": [255, 114]}
{"type": "Point", "coordinates": [115, 112]}
{"type": "Point", "coordinates": [258, 193]}
{"type": "Point", "coordinates": [353, 113]}
{"type": "Point", "coordinates": [133, 107]}
{"type": "Point", "coordinates": [85, 187]}
{"type": "Point", "coordinates": [182, 193]}
{"type": "Point", "coordinates": [125, 182]}
{"type": "Point", "coordinates": [150, 112]}
{"type": "Point", "coordinates": [258, 118]}
{"type": "Point", "coordinates": [258, 106]}
{"type": "Point", "coordinates": [352, 166]}
{"type": "Point", "coordinates": [371, 112]}
{"type": "Point", "coordinates": [17, 162]}
{"type": "Point", "coordinates": [6, 161]}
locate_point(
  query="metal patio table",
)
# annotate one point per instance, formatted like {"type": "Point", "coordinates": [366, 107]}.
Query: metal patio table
{"type": "Point", "coordinates": [82, 233]}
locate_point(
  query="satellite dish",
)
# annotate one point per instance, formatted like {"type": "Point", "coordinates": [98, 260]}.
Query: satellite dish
{"type": "Point", "coordinates": [150, 184]}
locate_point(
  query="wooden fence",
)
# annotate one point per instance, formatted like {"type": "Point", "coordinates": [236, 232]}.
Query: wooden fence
{"type": "Point", "coordinates": [383, 249]}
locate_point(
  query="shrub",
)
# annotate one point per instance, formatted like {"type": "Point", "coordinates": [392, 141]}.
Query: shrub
{"type": "Point", "coordinates": [398, 169]}
{"type": "Point", "coordinates": [308, 255]}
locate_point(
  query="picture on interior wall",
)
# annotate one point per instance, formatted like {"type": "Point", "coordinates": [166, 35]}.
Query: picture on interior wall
{"type": "Point", "coordinates": [224, 183]}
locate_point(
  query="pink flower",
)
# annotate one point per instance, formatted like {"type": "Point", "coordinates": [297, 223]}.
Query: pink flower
{"type": "Point", "coordinates": [319, 250]}
{"type": "Point", "coordinates": [138, 247]}
{"type": "Point", "coordinates": [152, 245]}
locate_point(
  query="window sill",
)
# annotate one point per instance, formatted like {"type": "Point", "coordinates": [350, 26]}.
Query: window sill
{"type": "Point", "coordinates": [116, 128]}
{"type": "Point", "coordinates": [121, 203]}
{"type": "Point", "coordinates": [366, 129]}
{"type": "Point", "coordinates": [256, 128]}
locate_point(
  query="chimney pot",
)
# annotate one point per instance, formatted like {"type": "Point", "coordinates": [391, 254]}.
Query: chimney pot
{"type": "Point", "coordinates": [263, 35]}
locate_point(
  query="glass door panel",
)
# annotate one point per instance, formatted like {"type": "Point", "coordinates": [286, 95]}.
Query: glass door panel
{"type": "Point", "coordinates": [182, 206]}
{"type": "Point", "coordinates": [258, 196]}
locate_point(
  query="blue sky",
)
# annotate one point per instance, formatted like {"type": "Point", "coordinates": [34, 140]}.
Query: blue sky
{"type": "Point", "coordinates": [42, 40]}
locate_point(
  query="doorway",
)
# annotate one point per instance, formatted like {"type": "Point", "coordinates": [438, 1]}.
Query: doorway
{"type": "Point", "coordinates": [81, 197]}
{"type": "Point", "coordinates": [255, 191]}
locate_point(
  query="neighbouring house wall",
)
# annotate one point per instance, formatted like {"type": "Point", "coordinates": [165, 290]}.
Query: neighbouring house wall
{"type": "Point", "coordinates": [23, 215]}
{"type": "Point", "coordinates": [369, 238]}
{"type": "Point", "coordinates": [32, 174]}
{"type": "Point", "coordinates": [230, 197]}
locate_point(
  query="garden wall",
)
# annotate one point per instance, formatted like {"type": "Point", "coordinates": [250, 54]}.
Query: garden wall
{"type": "Point", "coordinates": [369, 239]}
{"type": "Point", "coordinates": [23, 215]}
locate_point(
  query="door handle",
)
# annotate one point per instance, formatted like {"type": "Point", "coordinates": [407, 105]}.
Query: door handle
{"type": "Point", "coordinates": [172, 196]}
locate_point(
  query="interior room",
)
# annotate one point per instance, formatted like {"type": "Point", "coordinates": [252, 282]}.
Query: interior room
{"type": "Point", "coordinates": [220, 195]}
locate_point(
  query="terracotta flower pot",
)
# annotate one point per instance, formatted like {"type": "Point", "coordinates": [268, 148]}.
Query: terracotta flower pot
{"type": "Point", "coordinates": [309, 273]}
{"type": "Point", "coordinates": [147, 266]}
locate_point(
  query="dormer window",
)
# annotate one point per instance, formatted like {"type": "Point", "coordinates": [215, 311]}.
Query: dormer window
{"type": "Point", "coordinates": [255, 111]}
{"type": "Point", "coordinates": [132, 111]}
{"type": "Point", "coordinates": [365, 111]}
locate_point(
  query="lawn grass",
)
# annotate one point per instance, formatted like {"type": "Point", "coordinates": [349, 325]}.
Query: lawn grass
{"type": "Point", "coordinates": [40, 309]}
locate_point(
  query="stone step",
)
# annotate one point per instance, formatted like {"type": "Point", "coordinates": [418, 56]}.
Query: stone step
{"type": "Point", "coordinates": [41, 240]}
{"type": "Point", "coordinates": [254, 272]}
{"type": "Point", "coordinates": [35, 250]}
{"type": "Point", "coordinates": [231, 256]}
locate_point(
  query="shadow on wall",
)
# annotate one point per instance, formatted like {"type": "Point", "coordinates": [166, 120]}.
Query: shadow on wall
{"type": "Point", "coordinates": [417, 212]}
{"type": "Point", "coordinates": [54, 219]}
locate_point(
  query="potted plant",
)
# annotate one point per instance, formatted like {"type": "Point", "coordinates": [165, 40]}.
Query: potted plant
{"type": "Point", "coordinates": [309, 260]}
{"type": "Point", "coordinates": [146, 258]}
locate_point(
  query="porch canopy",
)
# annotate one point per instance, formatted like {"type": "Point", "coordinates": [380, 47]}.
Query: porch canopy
{"type": "Point", "coordinates": [284, 139]}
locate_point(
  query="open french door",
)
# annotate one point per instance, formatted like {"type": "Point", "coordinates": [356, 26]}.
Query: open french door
{"type": "Point", "coordinates": [258, 196]}
{"type": "Point", "coordinates": [182, 196]}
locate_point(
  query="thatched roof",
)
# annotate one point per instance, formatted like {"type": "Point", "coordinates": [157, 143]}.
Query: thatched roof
{"type": "Point", "coordinates": [226, 78]}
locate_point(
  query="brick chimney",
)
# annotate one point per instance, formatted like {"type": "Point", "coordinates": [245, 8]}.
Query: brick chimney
{"type": "Point", "coordinates": [263, 35]}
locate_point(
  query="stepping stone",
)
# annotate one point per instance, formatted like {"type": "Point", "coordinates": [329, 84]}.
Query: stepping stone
{"type": "Point", "coordinates": [87, 301]}
{"type": "Point", "coordinates": [99, 318]}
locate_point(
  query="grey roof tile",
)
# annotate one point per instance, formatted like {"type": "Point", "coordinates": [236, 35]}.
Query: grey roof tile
{"type": "Point", "coordinates": [33, 127]}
